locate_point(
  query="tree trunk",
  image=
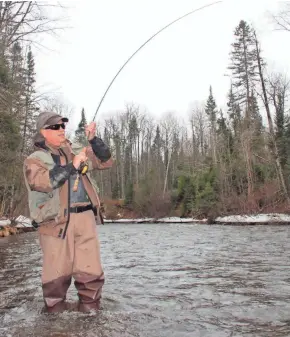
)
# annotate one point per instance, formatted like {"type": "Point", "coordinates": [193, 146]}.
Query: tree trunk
{"type": "Point", "coordinates": [166, 174]}
{"type": "Point", "coordinates": [248, 140]}
{"type": "Point", "coordinates": [270, 122]}
{"type": "Point", "coordinates": [213, 144]}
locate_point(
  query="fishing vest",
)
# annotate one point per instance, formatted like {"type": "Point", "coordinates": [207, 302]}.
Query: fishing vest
{"type": "Point", "coordinates": [46, 206]}
{"type": "Point", "coordinates": [43, 206]}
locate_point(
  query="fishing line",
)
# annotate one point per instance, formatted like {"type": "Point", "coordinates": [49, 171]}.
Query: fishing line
{"type": "Point", "coordinates": [162, 29]}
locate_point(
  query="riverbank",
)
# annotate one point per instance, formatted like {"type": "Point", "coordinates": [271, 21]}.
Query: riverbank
{"type": "Point", "coordinates": [238, 220]}
{"type": "Point", "coordinates": [18, 225]}
{"type": "Point", "coordinates": [157, 220]}
{"type": "Point", "coordinates": [23, 224]}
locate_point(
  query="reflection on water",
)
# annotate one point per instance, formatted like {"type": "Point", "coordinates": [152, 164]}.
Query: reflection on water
{"type": "Point", "coordinates": [161, 280]}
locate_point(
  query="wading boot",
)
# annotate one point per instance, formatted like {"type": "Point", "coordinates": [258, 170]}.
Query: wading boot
{"type": "Point", "coordinates": [88, 306]}
{"type": "Point", "coordinates": [57, 308]}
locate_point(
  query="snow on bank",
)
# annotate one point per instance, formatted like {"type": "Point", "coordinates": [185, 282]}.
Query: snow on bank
{"type": "Point", "coordinates": [5, 222]}
{"type": "Point", "coordinates": [153, 220]}
{"type": "Point", "coordinates": [180, 220]}
{"type": "Point", "coordinates": [234, 219]}
{"type": "Point", "coordinates": [22, 221]}
{"type": "Point", "coordinates": [271, 217]}
{"type": "Point", "coordinates": [145, 220]}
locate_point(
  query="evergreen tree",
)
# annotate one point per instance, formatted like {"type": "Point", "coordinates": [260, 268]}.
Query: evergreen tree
{"type": "Point", "coordinates": [17, 81]}
{"type": "Point", "coordinates": [129, 187]}
{"type": "Point", "coordinates": [282, 130]}
{"type": "Point", "coordinates": [243, 57]}
{"type": "Point", "coordinates": [157, 145]}
{"type": "Point", "coordinates": [210, 110]}
{"type": "Point", "coordinates": [284, 149]}
{"type": "Point", "coordinates": [221, 124]}
{"type": "Point", "coordinates": [80, 134]}
{"type": "Point", "coordinates": [244, 74]}
{"type": "Point", "coordinates": [158, 166]}
{"type": "Point", "coordinates": [30, 110]}
{"type": "Point", "coordinates": [234, 111]}
{"type": "Point", "coordinates": [256, 118]}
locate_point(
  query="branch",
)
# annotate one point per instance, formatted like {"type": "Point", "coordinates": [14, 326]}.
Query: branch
{"type": "Point", "coordinates": [21, 19]}
{"type": "Point", "coordinates": [18, 12]}
{"type": "Point", "coordinates": [20, 22]}
{"type": "Point", "coordinates": [282, 18]}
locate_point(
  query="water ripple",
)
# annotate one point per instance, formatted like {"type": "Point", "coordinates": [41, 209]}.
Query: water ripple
{"type": "Point", "coordinates": [161, 280]}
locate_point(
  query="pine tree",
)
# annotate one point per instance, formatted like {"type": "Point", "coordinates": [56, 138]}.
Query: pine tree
{"type": "Point", "coordinates": [222, 126]}
{"type": "Point", "coordinates": [129, 187]}
{"type": "Point", "coordinates": [283, 142]}
{"type": "Point", "coordinates": [30, 110]}
{"type": "Point", "coordinates": [244, 74]}
{"type": "Point", "coordinates": [174, 158]}
{"type": "Point", "coordinates": [261, 66]}
{"type": "Point", "coordinates": [210, 110]}
{"type": "Point", "coordinates": [80, 134]}
{"type": "Point", "coordinates": [234, 112]}
{"type": "Point", "coordinates": [243, 63]}
{"type": "Point", "coordinates": [255, 116]}
{"type": "Point", "coordinates": [11, 118]}
{"type": "Point", "coordinates": [210, 107]}
{"type": "Point", "coordinates": [157, 145]}
{"type": "Point", "coordinates": [17, 81]}
{"type": "Point", "coordinates": [281, 129]}
{"type": "Point", "coordinates": [158, 164]}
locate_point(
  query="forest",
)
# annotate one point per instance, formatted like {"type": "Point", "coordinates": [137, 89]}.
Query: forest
{"type": "Point", "coordinates": [219, 161]}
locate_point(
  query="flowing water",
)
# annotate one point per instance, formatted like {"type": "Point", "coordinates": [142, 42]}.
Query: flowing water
{"type": "Point", "coordinates": [161, 280]}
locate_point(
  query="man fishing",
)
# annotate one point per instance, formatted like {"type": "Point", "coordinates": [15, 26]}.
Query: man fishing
{"type": "Point", "coordinates": [65, 205]}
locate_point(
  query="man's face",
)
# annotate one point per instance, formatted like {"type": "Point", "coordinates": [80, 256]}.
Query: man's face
{"type": "Point", "coordinates": [54, 134]}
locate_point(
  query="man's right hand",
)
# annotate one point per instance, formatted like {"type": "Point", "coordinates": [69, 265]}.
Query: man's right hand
{"type": "Point", "coordinates": [80, 158]}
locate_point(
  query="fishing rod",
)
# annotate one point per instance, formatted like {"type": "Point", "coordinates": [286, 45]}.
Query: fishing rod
{"type": "Point", "coordinates": [144, 44]}
{"type": "Point", "coordinates": [84, 167]}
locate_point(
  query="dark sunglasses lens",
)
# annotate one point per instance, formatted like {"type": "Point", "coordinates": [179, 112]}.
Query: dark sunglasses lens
{"type": "Point", "coordinates": [57, 126]}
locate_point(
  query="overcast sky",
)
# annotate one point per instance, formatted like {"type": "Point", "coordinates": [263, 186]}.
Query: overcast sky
{"type": "Point", "coordinates": [171, 72]}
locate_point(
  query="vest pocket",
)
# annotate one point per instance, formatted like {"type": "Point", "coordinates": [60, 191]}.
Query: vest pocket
{"type": "Point", "coordinates": [44, 206]}
{"type": "Point", "coordinates": [46, 211]}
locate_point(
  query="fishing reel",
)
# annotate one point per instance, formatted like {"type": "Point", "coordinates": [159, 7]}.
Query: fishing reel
{"type": "Point", "coordinates": [83, 169]}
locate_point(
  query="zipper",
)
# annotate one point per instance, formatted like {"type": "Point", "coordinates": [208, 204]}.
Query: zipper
{"type": "Point", "coordinates": [68, 203]}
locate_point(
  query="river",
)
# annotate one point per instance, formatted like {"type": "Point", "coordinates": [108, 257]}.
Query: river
{"type": "Point", "coordinates": [161, 280]}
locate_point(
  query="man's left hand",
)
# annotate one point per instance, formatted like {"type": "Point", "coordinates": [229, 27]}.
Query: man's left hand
{"type": "Point", "coordinates": [91, 130]}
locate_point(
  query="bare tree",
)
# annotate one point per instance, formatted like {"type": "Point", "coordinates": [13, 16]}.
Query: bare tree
{"type": "Point", "coordinates": [56, 103]}
{"type": "Point", "coordinates": [270, 121]}
{"type": "Point", "coordinates": [198, 132]}
{"type": "Point", "coordinates": [278, 91]}
{"type": "Point", "coordinates": [24, 20]}
{"type": "Point", "coordinates": [169, 127]}
{"type": "Point", "coordinates": [282, 18]}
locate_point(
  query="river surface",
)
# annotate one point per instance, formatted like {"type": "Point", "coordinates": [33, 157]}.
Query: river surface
{"type": "Point", "coordinates": [161, 280]}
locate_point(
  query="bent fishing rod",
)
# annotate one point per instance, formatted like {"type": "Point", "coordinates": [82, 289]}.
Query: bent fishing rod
{"type": "Point", "coordinates": [144, 44]}
{"type": "Point", "coordinates": [85, 167]}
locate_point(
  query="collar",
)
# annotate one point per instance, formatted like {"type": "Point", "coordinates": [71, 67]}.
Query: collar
{"type": "Point", "coordinates": [44, 146]}
{"type": "Point", "coordinates": [54, 150]}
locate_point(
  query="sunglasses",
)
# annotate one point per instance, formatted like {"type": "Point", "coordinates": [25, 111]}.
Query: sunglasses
{"type": "Point", "coordinates": [55, 126]}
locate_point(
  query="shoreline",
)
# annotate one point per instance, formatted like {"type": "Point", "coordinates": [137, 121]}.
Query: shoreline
{"type": "Point", "coordinates": [23, 225]}
{"type": "Point", "coordinates": [229, 220]}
